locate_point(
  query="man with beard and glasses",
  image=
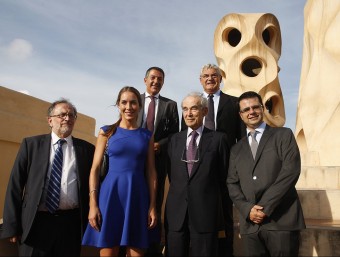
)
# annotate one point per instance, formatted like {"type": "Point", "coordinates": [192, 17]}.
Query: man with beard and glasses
{"type": "Point", "coordinates": [47, 198]}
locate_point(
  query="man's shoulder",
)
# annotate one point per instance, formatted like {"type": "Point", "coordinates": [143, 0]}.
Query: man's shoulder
{"type": "Point", "coordinates": [165, 99]}
{"type": "Point", "coordinates": [225, 95]}
{"type": "Point", "coordinates": [82, 141]}
{"type": "Point", "coordinates": [279, 130]}
{"type": "Point", "coordinates": [36, 137]}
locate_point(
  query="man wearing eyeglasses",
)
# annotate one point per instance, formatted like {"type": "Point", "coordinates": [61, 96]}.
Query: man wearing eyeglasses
{"type": "Point", "coordinates": [263, 171]}
{"type": "Point", "coordinates": [222, 116]}
{"type": "Point", "coordinates": [198, 159]}
{"type": "Point", "coordinates": [46, 204]}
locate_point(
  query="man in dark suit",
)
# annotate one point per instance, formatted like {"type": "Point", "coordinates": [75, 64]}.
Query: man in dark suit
{"type": "Point", "coordinates": [193, 210]}
{"type": "Point", "coordinates": [28, 219]}
{"type": "Point", "coordinates": [222, 116]}
{"type": "Point", "coordinates": [165, 122]}
{"type": "Point", "coordinates": [264, 169]}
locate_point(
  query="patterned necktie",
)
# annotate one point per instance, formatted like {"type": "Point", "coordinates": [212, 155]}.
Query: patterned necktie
{"type": "Point", "coordinates": [191, 152]}
{"type": "Point", "coordinates": [254, 144]}
{"type": "Point", "coordinates": [150, 119]}
{"type": "Point", "coordinates": [53, 191]}
{"type": "Point", "coordinates": [210, 118]}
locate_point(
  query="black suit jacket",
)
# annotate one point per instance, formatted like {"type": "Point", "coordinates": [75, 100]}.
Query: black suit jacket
{"type": "Point", "coordinates": [27, 179]}
{"type": "Point", "coordinates": [228, 119]}
{"type": "Point", "coordinates": [167, 121]}
{"type": "Point", "coordinates": [200, 195]}
{"type": "Point", "coordinates": [166, 124]}
{"type": "Point", "coordinates": [268, 181]}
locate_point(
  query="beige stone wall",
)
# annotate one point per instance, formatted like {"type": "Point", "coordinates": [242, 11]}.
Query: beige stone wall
{"type": "Point", "coordinates": [22, 116]}
{"type": "Point", "coordinates": [318, 113]}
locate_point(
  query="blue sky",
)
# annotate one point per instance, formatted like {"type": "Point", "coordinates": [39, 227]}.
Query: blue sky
{"type": "Point", "coordinates": [87, 50]}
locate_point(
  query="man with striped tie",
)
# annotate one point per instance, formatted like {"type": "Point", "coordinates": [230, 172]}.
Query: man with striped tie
{"type": "Point", "coordinates": [46, 204]}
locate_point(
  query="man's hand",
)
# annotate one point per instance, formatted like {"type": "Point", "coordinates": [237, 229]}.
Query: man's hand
{"type": "Point", "coordinates": [157, 147]}
{"type": "Point", "coordinates": [256, 214]}
{"type": "Point", "coordinates": [14, 239]}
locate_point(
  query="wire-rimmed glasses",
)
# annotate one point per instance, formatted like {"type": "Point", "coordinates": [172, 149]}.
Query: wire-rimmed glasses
{"type": "Point", "coordinates": [184, 156]}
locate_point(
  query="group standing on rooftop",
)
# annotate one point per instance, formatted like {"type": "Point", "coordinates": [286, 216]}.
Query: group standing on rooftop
{"type": "Point", "coordinates": [221, 155]}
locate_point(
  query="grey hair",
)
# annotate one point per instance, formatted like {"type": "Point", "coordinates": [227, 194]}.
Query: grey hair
{"type": "Point", "coordinates": [60, 101]}
{"type": "Point", "coordinates": [211, 66]}
{"type": "Point", "coordinates": [203, 100]}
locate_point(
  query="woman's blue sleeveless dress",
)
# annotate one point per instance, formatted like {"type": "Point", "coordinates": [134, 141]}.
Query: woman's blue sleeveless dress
{"type": "Point", "coordinates": [123, 194]}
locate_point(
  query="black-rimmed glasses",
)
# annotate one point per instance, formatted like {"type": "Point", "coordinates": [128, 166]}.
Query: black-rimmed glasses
{"type": "Point", "coordinates": [255, 108]}
{"type": "Point", "coordinates": [63, 116]}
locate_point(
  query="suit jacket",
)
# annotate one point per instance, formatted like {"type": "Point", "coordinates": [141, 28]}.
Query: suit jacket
{"type": "Point", "coordinates": [268, 181]}
{"type": "Point", "coordinates": [228, 119]}
{"type": "Point", "coordinates": [200, 195]}
{"type": "Point", "coordinates": [166, 124]}
{"type": "Point", "coordinates": [27, 179]}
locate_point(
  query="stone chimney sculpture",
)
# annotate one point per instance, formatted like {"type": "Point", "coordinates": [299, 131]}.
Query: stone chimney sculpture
{"type": "Point", "coordinates": [247, 48]}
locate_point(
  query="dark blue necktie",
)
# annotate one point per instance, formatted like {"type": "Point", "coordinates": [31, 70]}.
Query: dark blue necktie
{"type": "Point", "coordinates": [191, 152]}
{"type": "Point", "coordinates": [53, 191]}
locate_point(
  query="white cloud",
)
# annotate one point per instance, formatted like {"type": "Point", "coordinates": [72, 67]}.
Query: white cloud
{"type": "Point", "coordinates": [19, 50]}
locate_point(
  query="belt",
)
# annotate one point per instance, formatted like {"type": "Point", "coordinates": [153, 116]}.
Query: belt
{"type": "Point", "coordinates": [60, 212]}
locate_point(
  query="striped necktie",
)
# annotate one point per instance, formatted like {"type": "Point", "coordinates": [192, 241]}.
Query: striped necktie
{"type": "Point", "coordinates": [53, 191]}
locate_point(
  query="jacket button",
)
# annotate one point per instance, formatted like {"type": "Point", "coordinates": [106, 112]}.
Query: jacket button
{"type": "Point", "coordinates": [254, 178]}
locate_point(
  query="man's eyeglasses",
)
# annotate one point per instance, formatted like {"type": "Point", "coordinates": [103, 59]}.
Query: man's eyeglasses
{"type": "Point", "coordinates": [184, 156]}
{"type": "Point", "coordinates": [63, 116]}
{"type": "Point", "coordinates": [255, 108]}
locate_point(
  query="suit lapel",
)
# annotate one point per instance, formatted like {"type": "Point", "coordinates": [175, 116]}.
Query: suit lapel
{"type": "Point", "coordinates": [222, 102]}
{"type": "Point", "coordinates": [264, 139]}
{"type": "Point", "coordinates": [160, 111]}
{"type": "Point", "coordinates": [44, 153]}
{"type": "Point", "coordinates": [178, 151]}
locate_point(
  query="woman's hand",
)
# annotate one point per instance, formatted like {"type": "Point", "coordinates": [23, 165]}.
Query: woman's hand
{"type": "Point", "coordinates": [152, 218]}
{"type": "Point", "coordinates": [95, 218]}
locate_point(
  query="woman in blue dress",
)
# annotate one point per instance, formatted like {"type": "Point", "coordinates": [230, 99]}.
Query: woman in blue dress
{"type": "Point", "coordinates": [122, 207]}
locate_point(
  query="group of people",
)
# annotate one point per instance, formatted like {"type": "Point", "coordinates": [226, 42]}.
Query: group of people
{"type": "Point", "coordinates": [222, 155]}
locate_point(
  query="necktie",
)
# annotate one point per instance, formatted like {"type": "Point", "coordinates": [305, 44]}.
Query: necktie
{"type": "Point", "coordinates": [150, 119]}
{"type": "Point", "coordinates": [53, 191]}
{"type": "Point", "coordinates": [191, 152]}
{"type": "Point", "coordinates": [210, 118]}
{"type": "Point", "coordinates": [254, 144]}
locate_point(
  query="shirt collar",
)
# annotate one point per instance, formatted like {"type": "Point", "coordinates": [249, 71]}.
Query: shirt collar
{"type": "Point", "coordinates": [148, 95]}
{"type": "Point", "coordinates": [218, 92]}
{"type": "Point", "coordinates": [55, 139]}
{"type": "Point", "coordinates": [199, 131]}
{"type": "Point", "coordinates": [259, 129]}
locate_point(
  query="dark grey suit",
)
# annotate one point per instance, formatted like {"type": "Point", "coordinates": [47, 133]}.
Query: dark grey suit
{"type": "Point", "coordinates": [26, 184]}
{"type": "Point", "coordinates": [166, 124]}
{"type": "Point", "coordinates": [227, 121]}
{"type": "Point", "coordinates": [268, 181]}
{"type": "Point", "coordinates": [195, 202]}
